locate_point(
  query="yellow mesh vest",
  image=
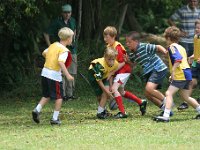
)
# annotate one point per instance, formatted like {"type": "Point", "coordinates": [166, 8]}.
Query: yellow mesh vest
{"type": "Point", "coordinates": [196, 47]}
{"type": "Point", "coordinates": [106, 69]}
{"type": "Point", "coordinates": [52, 55]}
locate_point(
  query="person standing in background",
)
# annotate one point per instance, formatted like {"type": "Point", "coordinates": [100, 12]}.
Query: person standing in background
{"type": "Point", "coordinates": [186, 17]}
{"type": "Point", "coordinates": [50, 35]}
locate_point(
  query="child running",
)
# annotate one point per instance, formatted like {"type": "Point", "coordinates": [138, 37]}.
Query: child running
{"type": "Point", "coordinates": [121, 75]}
{"type": "Point", "coordinates": [99, 71]}
{"type": "Point", "coordinates": [55, 58]}
{"type": "Point", "coordinates": [154, 69]}
{"type": "Point", "coordinates": [180, 74]}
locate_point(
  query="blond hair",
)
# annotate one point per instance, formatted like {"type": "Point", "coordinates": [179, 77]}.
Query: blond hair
{"type": "Point", "coordinates": [110, 30]}
{"type": "Point", "coordinates": [65, 33]}
{"type": "Point", "coordinates": [110, 52]}
{"type": "Point", "coordinates": [173, 33]}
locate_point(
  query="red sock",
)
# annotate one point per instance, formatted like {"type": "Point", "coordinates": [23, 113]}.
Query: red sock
{"type": "Point", "coordinates": [120, 104]}
{"type": "Point", "coordinates": [132, 97]}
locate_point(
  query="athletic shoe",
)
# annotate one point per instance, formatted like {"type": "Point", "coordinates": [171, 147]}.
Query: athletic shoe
{"type": "Point", "coordinates": [198, 116]}
{"type": "Point", "coordinates": [68, 98]}
{"type": "Point", "coordinates": [143, 107]}
{"type": "Point", "coordinates": [171, 113]}
{"type": "Point", "coordinates": [120, 115]}
{"type": "Point", "coordinates": [107, 113]}
{"type": "Point", "coordinates": [102, 115]}
{"type": "Point", "coordinates": [161, 119]}
{"type": "Point", "coordinates": [55, 122]}
{"type": "Point", "coordinates": [183, 106]}
{"type": "Point", "coordinates": [35, 115]}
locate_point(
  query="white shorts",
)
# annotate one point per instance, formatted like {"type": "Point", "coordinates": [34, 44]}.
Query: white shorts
{"type": "Point", "coordinates": [122, 78]}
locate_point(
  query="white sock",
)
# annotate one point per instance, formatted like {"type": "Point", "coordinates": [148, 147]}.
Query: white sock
{"type": "Point", "coordinates": [100, 109]}
{"type": "Point", "coordinates": [198, 109]}
{"type": "Point", "coordinates": [166, 113]}
{"type": "Point", "coordinates": [39, 107]}
{"type": "Point", "coordinates": [164, 101]}
{"type": "Point", "coordinates": [55, 115]}
{"type": "Point", "coordinates": [162, 107]}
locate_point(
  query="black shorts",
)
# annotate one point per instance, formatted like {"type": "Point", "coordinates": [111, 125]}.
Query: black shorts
{"type": "Point", "coordinates": [181, 84]}
{"type": "Point", "coordinates": [52, 88]}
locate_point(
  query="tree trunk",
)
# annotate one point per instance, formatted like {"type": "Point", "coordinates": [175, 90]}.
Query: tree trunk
{"type": "Point", "coordinates": [132, 21]}
{"type": "Point", "coordinates": [79, 20]}
{"type": "Point", "coordinates": [122, 17]}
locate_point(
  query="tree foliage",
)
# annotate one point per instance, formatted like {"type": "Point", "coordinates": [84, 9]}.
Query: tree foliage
{"type": "Point", "coordinates": [22, 23]}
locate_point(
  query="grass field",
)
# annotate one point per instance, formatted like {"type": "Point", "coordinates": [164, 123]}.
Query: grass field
{"type": "Point", "coordinates": [80, 130]}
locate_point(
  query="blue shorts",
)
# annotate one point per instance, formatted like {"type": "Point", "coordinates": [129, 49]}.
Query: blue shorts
{"type": "Point", "coordinates": [52, 88]}
{"type": "Point", "coordinates": [181, 84]}
{"type": "Point", "coordinates": [156, 77]}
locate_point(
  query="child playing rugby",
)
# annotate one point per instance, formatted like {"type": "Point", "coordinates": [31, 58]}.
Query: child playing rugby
{"type": "Point", "coordinates": [180, 74]}
{"type": "Point", "coordinates": [154, 69]}
{"type": "Point", "coordinates": [121, 75]}
{"type": "Point", "coordinates": [99, 71]}
{"type": "Point", "coordinates": [55, 57]}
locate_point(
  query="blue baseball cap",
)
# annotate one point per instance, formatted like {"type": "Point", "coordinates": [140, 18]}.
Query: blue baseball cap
{"type": "Point", "coordinates": [67, 8]}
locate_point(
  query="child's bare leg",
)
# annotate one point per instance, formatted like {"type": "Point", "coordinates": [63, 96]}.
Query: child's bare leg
{"type": "Point", "coordinates": [151, 88]}
{"type": "Point", "coordinates": [185, 95]}
{"type": "Point", "coordinates": [58, 104]}
{"type": "Point", "coordinates": [43, 101]}
{"type": "Point", "coordinates": [153, 99]}
{"type": "Point", "coordinates": [169, 101]}
{"type": "Point", "coordinates": [169, 96]}
{"type": "Point", "coordinates": [102, 103]}
{"type": "Point", "coordinates": [152, 92]}
{"type": "Point", "coordinates": [103, 100]}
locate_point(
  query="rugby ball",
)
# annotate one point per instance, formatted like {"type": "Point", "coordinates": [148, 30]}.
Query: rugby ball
{"type": "Point", "coordinates": [113, 105]}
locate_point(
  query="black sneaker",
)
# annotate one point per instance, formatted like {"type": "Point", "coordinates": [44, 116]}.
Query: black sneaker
{"type": "Point", "coordinates": [35, 116]}
{"type": "Point", "coordinates": [102, 115]}
{"type": "Point", "coordinates": [55, 122]}
{"type": "Point", "coordinates": [120, 115]}
{"type": "Point", "coordinates": [183, 106]}
{"type": "Point", "coordinates": [143, 107]}
{"type": "Point", "coordinates": [161, 119]}
{"type": "Point", "coordinates": [197, 116]}
{"type": "Point", "coordinates": [107, 113]}
{"type": "Point", "coordinates": [171, 113]}
{"type": "Point", "coordinates": [68, 98]}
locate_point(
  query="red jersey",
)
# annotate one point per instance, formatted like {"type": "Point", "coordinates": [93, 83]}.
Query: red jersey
{"type": "Point", "coordinates": [68, 60]}
{"type": "Point", "coordinates": [120, 57]}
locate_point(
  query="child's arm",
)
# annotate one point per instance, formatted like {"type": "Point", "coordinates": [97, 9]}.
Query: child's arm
{"type": "Point", "coordinates": [127, 60]}
{"type": "Point", "coordinates": [104, 89]}
{"type": "Point", "coordinates": [113, 72]}
{"type": "Point", "coordinates": [190, 59]}
{"type": "Point", "coordinates": [44, 52]}
{"type": "Point", "coordinates": [161, 49]}
{"type": "Point", "coordinates": [65, 71]}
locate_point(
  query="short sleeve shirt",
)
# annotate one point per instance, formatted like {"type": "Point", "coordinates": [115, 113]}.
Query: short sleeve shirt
{"type": "Point", "coordinates": [146, 56]}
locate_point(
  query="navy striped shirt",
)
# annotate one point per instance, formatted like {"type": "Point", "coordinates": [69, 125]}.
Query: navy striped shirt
{"type": "Point", "coordinates": [187, 18]}
{"type": "Point", "coordinates": [146, 56]}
